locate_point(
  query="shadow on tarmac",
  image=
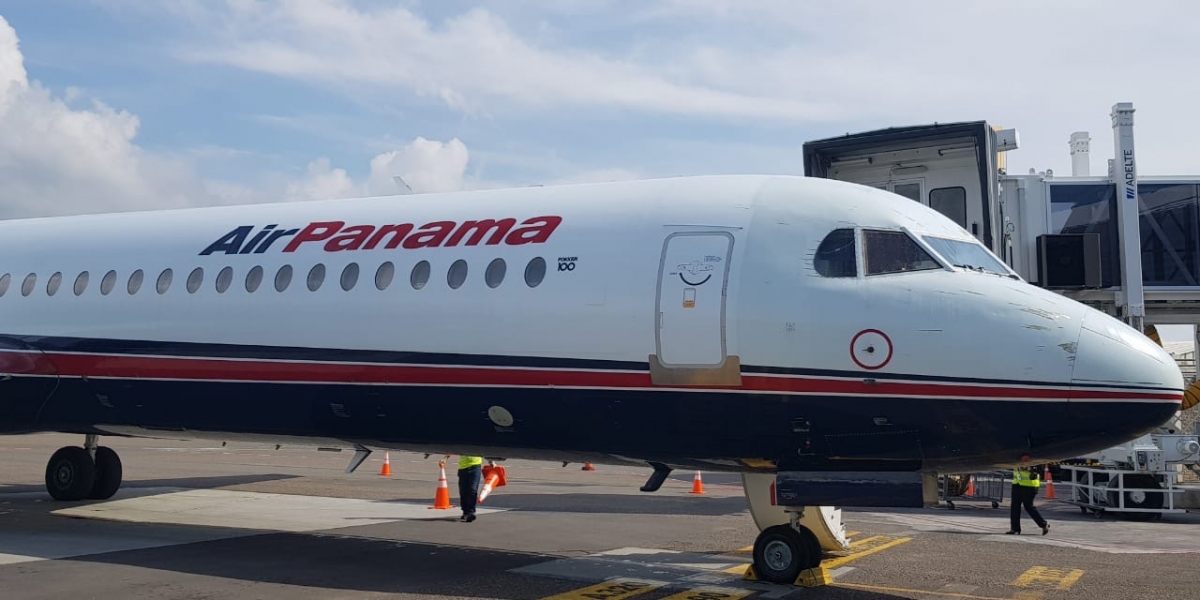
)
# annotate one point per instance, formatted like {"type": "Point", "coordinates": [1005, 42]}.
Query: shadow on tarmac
{"type": "Point", "coordinates": [648, 504]}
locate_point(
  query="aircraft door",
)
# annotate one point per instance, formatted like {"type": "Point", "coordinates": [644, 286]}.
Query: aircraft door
{"type": "Point", "coordinates": [692, 281]}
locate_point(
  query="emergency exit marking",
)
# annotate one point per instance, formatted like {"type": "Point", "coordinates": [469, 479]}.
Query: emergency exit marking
{"type": "Point", "coordinates": [609, 590]}
{"type": "Point", "coordinates": [1046, 578]}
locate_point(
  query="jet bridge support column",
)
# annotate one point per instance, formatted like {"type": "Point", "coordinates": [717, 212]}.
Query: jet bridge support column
{"type": "Point", "coordinates": [1124, 176]}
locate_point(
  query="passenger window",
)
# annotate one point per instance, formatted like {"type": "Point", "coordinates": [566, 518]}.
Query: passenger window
{"type": "Point", "coordinates": [164, 281]}
{"type": "Point", "coordinates": [224, 279]}
{"type": "Point", "coordinates": [254, 279]}
{"type": "Point", "coordinates": [5, 281]}
{"type": "Point", "coordinates": [420, 275]}
{"type": "Point", "coordinates": [283, 278]}
{"type": "Point", "coordinates": [81, 283]}
{"type": "Point", "coordinates": [894, 252]}
{"type": "Point", "coordinates": [952, 202]}
{"type": "Point", "coordinates": [195, 279]}
{"type": "Point", "coordinates": [316, 276]}
{"type": "Point", "coordinates": [135, 282]}
{"type": "Point", "coordinates": [384, 276]}
{"type": "Point", "coordinates": [457, 274]}
{"type": "Point", "coordinates": [28, 284]}
{"type": "Point", "coordinates": [54, 283]}
{"type": "Point", "coordinates": [835, 256]}
{"type": "Point", "coordinates": [108, 283]}
{"type": "Point", "coordinates": [350, 276]}
{"type": "Point", "coordinates": [495, 273]}
{"type": "Point", "coordinates": [535, 272]}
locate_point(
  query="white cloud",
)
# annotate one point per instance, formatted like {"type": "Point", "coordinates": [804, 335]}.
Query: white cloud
{"type": "Point", "coordinates": [863, 64]}
{"type": "Point", "coordinates": [425, 165]}
{"type": "Point", "coordinates": [467, 62]}
{"type": "Point", "coordinates": [59, 160]}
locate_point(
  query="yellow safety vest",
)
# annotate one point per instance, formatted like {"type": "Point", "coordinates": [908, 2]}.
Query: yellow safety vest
{"type": "Point", "coordinates": [466, 462]}
{"type": "Point", "coordinates": [1025, 478]}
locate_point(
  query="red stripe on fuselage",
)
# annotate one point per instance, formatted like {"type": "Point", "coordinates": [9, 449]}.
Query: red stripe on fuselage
{"type": "Point", "coordinates": [255, 370]}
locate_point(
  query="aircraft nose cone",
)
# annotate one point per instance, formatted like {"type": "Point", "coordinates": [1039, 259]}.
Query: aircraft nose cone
{"type": "Point", "coordinates": [1122, 374]}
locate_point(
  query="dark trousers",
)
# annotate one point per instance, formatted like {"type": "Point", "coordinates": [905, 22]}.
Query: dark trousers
{"type": "Point", "coordinates": [1023, 496]}
{"type": "Point", "coordinates": [468, 488]}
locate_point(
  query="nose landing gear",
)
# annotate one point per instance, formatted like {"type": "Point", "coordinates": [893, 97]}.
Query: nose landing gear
{"type": "Point", "coordinates": [782, 552]}
{"type": "Point", "coordinates": [91, 472]}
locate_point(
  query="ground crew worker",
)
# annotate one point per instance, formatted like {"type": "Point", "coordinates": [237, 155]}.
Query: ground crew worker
{"type": "Point", "coordinates": [1025, 484]}
{"type": "Point", "coordinates": [470, 473]}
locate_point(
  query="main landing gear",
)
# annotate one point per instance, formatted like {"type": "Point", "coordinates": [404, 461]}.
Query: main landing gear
{"type": "Point", "coordinates": [91, 472]}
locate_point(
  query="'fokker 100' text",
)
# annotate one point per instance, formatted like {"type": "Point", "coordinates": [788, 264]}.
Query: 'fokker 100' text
{"type": "Point", "coordinates": [335, 236]}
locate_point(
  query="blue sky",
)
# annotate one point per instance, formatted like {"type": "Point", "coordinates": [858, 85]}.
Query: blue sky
{"type": "Point", "coordinates": [127, 104]}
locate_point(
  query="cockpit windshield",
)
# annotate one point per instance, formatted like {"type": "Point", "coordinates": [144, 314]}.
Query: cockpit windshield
{"type": "Point", "coordinates": [967, 255]}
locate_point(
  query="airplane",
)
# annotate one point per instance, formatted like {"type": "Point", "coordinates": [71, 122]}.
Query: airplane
{"type": "Point", "coordinates": [830, 341]}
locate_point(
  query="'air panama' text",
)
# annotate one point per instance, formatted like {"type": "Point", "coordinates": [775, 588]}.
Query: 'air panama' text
{"type": "Point", "coordinates": [335, 236]}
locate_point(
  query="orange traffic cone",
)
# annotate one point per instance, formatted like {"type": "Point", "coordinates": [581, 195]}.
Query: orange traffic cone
{"type": "Point", "coordinates": [970, 486]}
{"type": "Point", "coordinates": [588, 467]}
{"type": "Point", "coordinates": [1049, 484]}
{"type": "Point", "coordinates": [441, 498]}
{"type": "Point", "coordinates": [387, 466]}
{"type": "Point", "coordinates": [697, 484]}
{"type": "Point", "coordinates": [489, 486]}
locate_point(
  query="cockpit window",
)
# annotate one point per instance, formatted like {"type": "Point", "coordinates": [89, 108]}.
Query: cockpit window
{"type": "Point", "coordinates": [894, 252]}
{"type": "Point", "coordinates": [967, 255]}
{"type": "Point", "coordinates": [835, 256]}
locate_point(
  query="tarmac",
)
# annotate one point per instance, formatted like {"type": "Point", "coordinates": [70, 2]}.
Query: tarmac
{"type": "Point", "coordinates": [197, 520]}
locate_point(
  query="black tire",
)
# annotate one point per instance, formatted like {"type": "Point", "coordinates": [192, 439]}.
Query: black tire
{"type": "Point", "coordinates": [780, 553]}
{"type": "Point", "coordinates": [108, 474]}
{"type": "Point", "coordinates": [813, 546]}
{"type": "Point", "coordinates": [70, 474]}
{"type": "Point", "coordinates": [1148, 501]}
{"type": "Point", "coordinates": [995, 504]}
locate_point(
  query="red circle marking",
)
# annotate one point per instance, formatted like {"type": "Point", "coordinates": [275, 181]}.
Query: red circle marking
{"type": "Point", "coordinates": [886, 340]}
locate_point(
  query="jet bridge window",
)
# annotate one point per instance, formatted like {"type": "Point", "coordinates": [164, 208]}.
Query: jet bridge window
{"type": "Point", "coordinates": [952, 202]}
{"type": "Point", "coordinates": [894, 252]}
{"type": "Point", "coordinates": [835, 256]}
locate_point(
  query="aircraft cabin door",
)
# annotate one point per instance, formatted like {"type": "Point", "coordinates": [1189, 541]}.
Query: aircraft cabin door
{"type": "Point", "coordinates": [693, 280]}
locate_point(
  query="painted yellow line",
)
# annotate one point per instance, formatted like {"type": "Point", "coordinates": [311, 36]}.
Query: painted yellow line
{"type": "Point", "coordinates": [837, 562]}
{"type": "Point", "coordinates": [737, 569]}
{"type": "Point", "coordinates": [1047, 578]}
{"type": "Point", "coordinates": [866, 540]}
{"type": "Point", "coordinates": [710, 593]}
{"type": "Point", "coordinates": [880, 588]}
{"type": "Point", "coordinates": [617, 589]}
{"type": "Point", "coordinates": [746, 549]}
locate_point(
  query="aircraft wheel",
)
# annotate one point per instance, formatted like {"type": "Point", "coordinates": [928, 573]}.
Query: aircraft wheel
{"type": "Point", "coordinates": [70, 474]}
{"type": "Point", "coordinates": [108, 474]}
{"type": "Point", "coordinates": [780, 553]}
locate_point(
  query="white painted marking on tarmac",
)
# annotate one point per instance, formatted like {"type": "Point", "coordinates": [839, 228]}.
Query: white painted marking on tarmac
{"type": "Point", "coordinates": [838, 572]}
{"type": "Point", "coordinates": [258, 511]}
